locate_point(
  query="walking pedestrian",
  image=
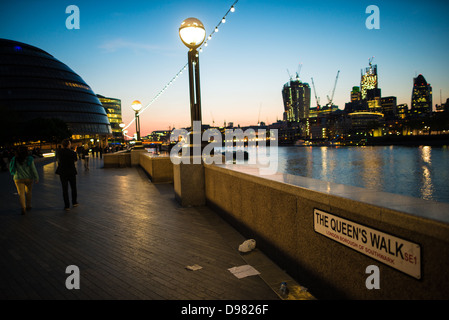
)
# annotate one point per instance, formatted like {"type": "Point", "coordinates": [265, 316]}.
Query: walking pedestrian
{"type": "Point", "coordinates": [67, 173]}
{"type": "Point", "coordinates": [24, 171]}
{"type": "Point", "coordinates": [86, 158]}
{"type": "Point", "coordinates": [57, 152]}
{"type": "Point", "coordinates": [80, 151]}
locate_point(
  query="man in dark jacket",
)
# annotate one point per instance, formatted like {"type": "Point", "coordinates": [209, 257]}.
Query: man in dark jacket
{"type": "Point", "coordinates": [67, 173]}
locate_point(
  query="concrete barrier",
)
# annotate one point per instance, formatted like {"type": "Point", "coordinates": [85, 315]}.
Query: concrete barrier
{"type": "Point", "coordinates": [401, 250]}
{"type": "Point", "coordinates": [117, 160]}
{"type": "Point", "coordinates": [188, 183]}
{"type": "Point", "coordinates": [159, 168]}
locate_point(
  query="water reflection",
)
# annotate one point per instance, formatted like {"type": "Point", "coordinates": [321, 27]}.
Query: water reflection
{"type": "Point", "coordinates": [324, 162]}
{"type": "Point", "coordinates": [426, 153]}
{"type": "Point", "coordinates": [372, 165]}
{"type": "Point", "coordinates": [417, 172]}
{"type": "Point", "coordinates": [426, 180]}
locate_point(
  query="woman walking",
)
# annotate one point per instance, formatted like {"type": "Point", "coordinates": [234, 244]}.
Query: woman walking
{"type": "Point", "coordinates": [24, 171]}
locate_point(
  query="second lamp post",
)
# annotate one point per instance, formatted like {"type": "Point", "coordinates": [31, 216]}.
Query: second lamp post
{"type": "Point", "coordinates": [136, 105]}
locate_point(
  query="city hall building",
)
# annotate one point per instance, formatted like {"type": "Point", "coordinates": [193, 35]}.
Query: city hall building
{"type": "Point", "coordinates": [34, 85]}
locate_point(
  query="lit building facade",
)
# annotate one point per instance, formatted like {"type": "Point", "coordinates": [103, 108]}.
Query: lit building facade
{"type": "Point", "coordinates": [322, 111]}
{"type": "Point", "coordinates": [160, 135]}
{"type": "Point", "coordinates": [389, 107]}
{"type": "Point", "coordinates": [113, 109]}
{"type": "Point", "coordinates": [296, 96]}
{"type": "Point", "coordinates": [34, 85]}
{"type": "Point", "coordinates": [366, 121]}
{"type": "Point", "coordinates": [368, 80]}
{"type": "Point", "coordinates": [421, 96]}
{"type": "Point", "coordinates": [356, 95]}
{"type": "Point", "coordinates": [373, 97]}
{"type": "Point", "coordinates": [402, 110]}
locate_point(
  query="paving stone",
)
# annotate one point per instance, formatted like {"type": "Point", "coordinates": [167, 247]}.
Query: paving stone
{"type": "Point", "coordinates": [129, 238]}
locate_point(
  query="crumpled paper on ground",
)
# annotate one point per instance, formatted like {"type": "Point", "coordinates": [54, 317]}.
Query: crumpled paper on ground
{"type": "Point", "coordinates": [194, 267]}
{"type": "Point", "coordinates": [244, 271]}
{"type": "Point", "coordinates": [247, 245]}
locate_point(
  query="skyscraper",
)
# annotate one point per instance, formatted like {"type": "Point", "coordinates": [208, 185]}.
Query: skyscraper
{"type": "Point", "coordinates": [368, 79]}
{"type": "Point", "coordinates": [296, 96]}
{"type": "Point", "coordinates": [421, 96]}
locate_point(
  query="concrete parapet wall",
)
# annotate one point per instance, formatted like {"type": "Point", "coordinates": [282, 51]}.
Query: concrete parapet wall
{"type": "Point", "coordinates": [135, 155]}
{"type": "Point", "coordinates": [117, 160]}
{"type": "Point", "coordinates": [159, 168]}
{"type": "Point", "coordinates": [278, 211]}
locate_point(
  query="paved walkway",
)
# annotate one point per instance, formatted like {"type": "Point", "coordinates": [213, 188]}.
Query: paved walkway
{"type": "Point", "coordinates": [129, 238]}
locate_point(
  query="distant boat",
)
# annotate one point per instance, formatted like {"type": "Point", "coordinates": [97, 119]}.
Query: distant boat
{"type": "Point", "coordinates": [301, 143]}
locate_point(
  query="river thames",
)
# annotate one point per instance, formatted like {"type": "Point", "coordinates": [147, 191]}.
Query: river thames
{"type": "Point", "coordinates": [420, 172]}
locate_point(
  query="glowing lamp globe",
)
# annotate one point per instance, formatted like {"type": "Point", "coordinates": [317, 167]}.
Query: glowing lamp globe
{"type": "Point", "coordinates": [136, 105]}
{"type": "Point", "coordinates": [192, 33]}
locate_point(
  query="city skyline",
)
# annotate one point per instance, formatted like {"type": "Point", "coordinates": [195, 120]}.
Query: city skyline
{"type": "Point", "coordinates": [131, 51]}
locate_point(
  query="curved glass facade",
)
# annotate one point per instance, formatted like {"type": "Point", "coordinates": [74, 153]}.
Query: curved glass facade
{"type": "Point", "coordinates": [36, 85]}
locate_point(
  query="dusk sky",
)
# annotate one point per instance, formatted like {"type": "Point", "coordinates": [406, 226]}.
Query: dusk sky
{"type": "Point", "coordinates": [131, 49]}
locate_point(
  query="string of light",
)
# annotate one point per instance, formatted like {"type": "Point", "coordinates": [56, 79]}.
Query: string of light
{"type": "Point", "coordinates": [173, 79]}
{"type": "Point", "coordinates": [223, 20]}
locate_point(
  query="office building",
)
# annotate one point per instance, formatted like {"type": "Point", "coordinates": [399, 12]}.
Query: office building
{"type": "Point", "coordinates": [389, 107]}
{"type": "Point", "coordinates": [402, 111]}
{"type": "Point", "coordinates": [366, 121]}
{"type": "Point", "coordinates": [296, 97]}
{"type": "Point", "coordinates": [373, 97]}
{"type": "Point", "coordinates": [113, 109]}
{"type": "Point", "coordinates": [421, 96]}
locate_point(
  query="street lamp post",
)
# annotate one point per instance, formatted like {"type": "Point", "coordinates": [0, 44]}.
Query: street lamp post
{"type": "Point", "coordinates": [192, 34]}
{"type": "Point", "coordinates": [190, 176]}
{"type": "Point", "coordinates": [136, 106]}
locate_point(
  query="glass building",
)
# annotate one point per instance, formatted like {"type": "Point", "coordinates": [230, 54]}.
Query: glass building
{"type": "Point", "coordinates": [34, 84]}
{"type": "Point", "coordinates": [296, 97]}
{"type": "Point", "coordinates": [113, 109]}
{"type": "Point", "coordinates": [421, 96]}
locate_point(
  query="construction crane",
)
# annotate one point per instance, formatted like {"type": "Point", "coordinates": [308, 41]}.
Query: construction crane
{"type": "Point", "coordinates": [213, 120]}
{"type": "Point", "coordinates": [316, 98]}
{"type": "Point", "coordinates": [333, 90]}
{"type": "Point", "coordinates": [298, 71]}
